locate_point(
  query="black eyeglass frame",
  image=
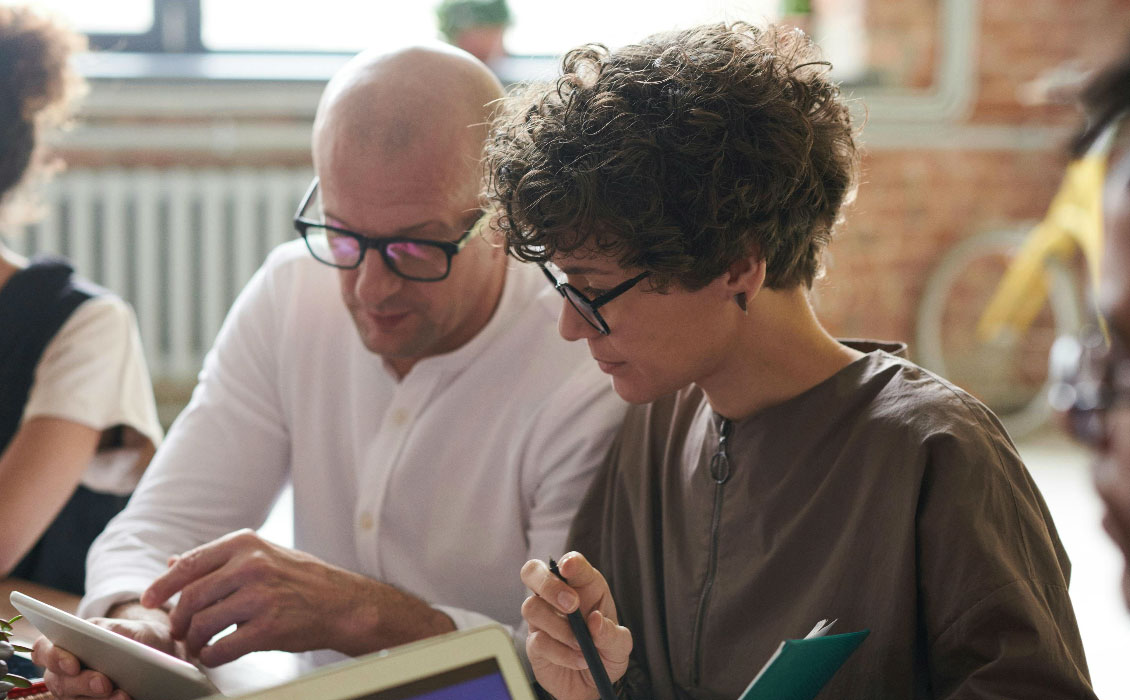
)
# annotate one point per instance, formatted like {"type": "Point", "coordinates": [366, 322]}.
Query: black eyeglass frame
{"type": "Point", "coordinates": [449, 248]}
{"type": "Point", "coordinates": [591, 304]}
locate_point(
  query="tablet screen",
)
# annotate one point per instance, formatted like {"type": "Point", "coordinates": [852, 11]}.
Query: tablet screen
{"type": "Point", "coordinates": [481, 680]}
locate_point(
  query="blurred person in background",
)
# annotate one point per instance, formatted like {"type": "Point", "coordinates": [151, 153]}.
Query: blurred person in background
{"type": "Point", "coordinates": [680, 194]}
{"type": "Point", "coordinates": [78, 422]}
{"type": "Point", "coordinates": [476, 26]}
{"type": "Point", "coordinates": [1094, 375]}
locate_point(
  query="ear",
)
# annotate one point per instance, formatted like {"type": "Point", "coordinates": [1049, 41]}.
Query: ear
{"type": "Point", "coordinates": [489, 228]}
{"type": "Point", "coordinates": [745, 276]}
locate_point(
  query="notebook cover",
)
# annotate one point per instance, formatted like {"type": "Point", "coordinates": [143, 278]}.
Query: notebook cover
{"type": "Point", "coordinates": [801, 667]}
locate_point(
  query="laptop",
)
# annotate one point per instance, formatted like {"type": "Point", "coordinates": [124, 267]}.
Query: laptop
{"type": "Point", "coordinates": [475, 664]}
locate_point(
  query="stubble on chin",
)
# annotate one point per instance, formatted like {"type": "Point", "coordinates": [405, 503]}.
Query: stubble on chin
{"type": "Point", "coordinates": [411, 342]}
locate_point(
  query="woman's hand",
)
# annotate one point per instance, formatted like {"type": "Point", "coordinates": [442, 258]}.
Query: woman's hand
{"type": "Point", "coordinates": [553, 651]}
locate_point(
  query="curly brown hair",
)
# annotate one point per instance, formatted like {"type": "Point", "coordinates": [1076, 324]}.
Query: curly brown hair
{"type": "Point", "coordinates": [38, 89]}
{"type": "Point", "coordinates": [679, 155]}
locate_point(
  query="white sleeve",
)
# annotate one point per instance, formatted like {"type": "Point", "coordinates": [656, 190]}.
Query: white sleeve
{"type": "Point", "coordinates": [221, 466]}
{"type": "Point", "coordinates": [567, 443]}
{"type": "Point", "coordinates": [93, 372]}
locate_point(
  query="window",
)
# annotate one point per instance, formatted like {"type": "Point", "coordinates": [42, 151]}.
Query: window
{"type": "Point", "coordinates": [548, 29]}
{"type": "Point", "coordinates": [345, 26]}
{"type": "Point", "coordinates": [120, 17]}
{"type": "Point", "coordinates": [539, 28]}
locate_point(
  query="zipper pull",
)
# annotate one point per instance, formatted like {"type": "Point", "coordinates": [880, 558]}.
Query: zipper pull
{"type": "Point", "coordinates": [720, 462]}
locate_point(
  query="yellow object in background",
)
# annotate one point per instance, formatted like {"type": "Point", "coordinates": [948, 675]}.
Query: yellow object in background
{"type": "Point", "coordinates": [1073, 223]}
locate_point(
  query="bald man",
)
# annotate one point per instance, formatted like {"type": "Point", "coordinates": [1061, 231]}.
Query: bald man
{"type": "Point", "coordinates": [401, 372]}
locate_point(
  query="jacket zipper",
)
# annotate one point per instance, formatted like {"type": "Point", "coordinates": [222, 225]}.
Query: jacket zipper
{"type": "Point", "coordinates": [720, 473]}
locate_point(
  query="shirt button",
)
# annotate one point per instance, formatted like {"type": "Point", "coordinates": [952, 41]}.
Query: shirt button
{"type": "Point", "coordinates": [399, 417]}
{"type": "Point", "coordinates": [366, 521]}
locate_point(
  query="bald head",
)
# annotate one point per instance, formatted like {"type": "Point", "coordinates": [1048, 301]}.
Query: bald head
{"type": "Point", "coordinates": [423, 108]}
{"type": "Point", "coordinates": [398, 142]}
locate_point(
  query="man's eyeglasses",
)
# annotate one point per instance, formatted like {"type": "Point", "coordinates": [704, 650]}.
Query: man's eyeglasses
{"type": "Point", "coordinates": [1089, 378]}
{"type": "Point", "coordinates": [586, 307]}
{"type": "Point", "coordinates": [415, 259]}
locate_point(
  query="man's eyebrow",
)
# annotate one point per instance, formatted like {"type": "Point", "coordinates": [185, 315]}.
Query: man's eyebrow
{"type": "Point", "coordinates": [407, 231]}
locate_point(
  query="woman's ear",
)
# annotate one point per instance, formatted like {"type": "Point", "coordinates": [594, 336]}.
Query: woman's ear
{"type": "Point", "coordinates": [746, 276]}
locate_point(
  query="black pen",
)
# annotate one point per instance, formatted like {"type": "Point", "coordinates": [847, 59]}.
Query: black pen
{"type": "Point", "coordinates": [592, 656]}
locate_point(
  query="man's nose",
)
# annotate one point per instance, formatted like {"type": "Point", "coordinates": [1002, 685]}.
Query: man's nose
{"type": "Point", "coordinates": [375, 281]}
{"type": "Point", "coordinates": [572, 325]}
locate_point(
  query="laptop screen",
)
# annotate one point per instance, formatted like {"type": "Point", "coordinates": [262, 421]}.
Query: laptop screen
{"type": "Point", "coordinates": [481, 680]}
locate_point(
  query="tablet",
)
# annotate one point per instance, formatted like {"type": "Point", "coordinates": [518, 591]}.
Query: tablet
{"type": "Point", "coordinates": [475, 664]}
{"type": "Point", "coordinates": [141, 671]}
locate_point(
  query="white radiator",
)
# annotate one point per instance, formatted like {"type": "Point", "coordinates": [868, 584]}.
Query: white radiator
{"type": "Point", "coordinates": [177, 244]}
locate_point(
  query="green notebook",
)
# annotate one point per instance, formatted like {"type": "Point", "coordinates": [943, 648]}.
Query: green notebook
{"type": "Point", "coordinates": [801, 667]}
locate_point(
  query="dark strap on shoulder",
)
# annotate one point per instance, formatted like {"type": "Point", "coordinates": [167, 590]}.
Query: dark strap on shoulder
{"type": "Point", "coordinates": [34, 304]}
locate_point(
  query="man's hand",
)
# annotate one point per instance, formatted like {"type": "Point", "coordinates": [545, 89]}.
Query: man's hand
{"type": "Point", "coordinates": [282, 599]}
{"type": "Point", "coordinates": [64, 675]}
{"type": "Point", "coordinates": [554, 654]}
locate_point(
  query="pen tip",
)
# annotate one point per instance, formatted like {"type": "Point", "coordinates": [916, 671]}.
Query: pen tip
{"type": "Point", "coordinates": [554, 570]}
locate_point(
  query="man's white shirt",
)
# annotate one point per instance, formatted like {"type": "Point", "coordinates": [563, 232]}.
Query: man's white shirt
{"type": "Point", "coordinates": [441, 484]}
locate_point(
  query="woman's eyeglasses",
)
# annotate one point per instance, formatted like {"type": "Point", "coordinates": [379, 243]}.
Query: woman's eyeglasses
{"type": "Point", "coordinates": [586, 307]}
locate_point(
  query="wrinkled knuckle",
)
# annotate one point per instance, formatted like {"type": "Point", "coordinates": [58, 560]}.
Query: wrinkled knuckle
{"type": "Point", "coordinates": [529, 606]}
{"type": "Point", "coordinates": [189, 562]}
{"type": "Point", "coordinates": [258, 564]}
{"type": "Point", "coordinates": [536, 642]}
{"type": "Point", "coordinates": [246, 538]}
{"type": "Point", "coordinates": [51, 680]}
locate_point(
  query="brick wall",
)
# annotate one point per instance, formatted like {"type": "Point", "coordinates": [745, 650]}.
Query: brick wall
{"type": "Point", "coordinates": [902, 40]}
{"type": "Point", "coordinates": [914, 203]}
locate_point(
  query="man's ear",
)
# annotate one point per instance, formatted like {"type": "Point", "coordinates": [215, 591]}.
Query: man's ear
{"type": "Point", "coordinates": [746, 276]}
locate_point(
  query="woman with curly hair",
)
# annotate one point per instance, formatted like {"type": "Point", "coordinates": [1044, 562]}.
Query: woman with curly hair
{"type": "Point", "coordinates": [679, 194]}
{"type": "Point", "coordinates": [78, 422]}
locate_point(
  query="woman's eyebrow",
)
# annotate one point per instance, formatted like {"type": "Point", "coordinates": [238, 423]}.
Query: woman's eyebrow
{"type": "Point", "coordinates": [582, 270]}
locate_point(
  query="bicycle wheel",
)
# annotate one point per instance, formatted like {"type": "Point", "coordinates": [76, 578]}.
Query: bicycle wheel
{"type": "Point", "coordinates": [1007, 373]}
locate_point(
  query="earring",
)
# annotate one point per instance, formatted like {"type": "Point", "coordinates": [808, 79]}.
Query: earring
{"type": "Point", "coordinates": [740, 300]}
